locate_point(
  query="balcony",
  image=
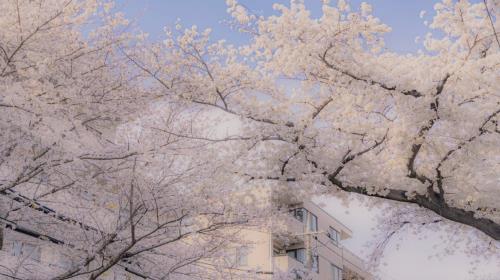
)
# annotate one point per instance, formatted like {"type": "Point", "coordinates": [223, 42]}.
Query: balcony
{"type": "Point", "coordinates": [353, 266]}
{"type": "Point", "coordinates": [285, 263]}
{"type": "Point", "coordinates": [291, 232]}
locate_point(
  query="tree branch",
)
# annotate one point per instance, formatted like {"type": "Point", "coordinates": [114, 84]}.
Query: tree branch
{"type": "Point", "coordinates": [491, 22]}
{"type": "Point", "coordinates": [429, 201]}
{"type": "Point", "coordinates": [413, 92]}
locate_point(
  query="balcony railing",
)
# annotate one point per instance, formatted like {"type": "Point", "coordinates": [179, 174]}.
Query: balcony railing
{"type": "Point", "coordinates": [353, 262]}
{"type": "Point", "coordinates": [293, 234]}
{"type": "Point", "coordinates": [286, 263]}
{"type": "Point", "coordinates": [290, 232]}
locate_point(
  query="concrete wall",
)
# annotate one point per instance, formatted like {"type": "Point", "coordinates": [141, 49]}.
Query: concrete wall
{"type": "Point", "coordinates": [261, 256]}
{"type": "Point", "coordinates": [53, 260]}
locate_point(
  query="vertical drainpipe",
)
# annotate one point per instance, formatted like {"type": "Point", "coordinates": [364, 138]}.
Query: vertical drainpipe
{"type": "Point", "coordinates": [307, 236]}
{"type": "Point", "coordinates": [1, 237]}
{"type": "Point", "coordinates": [1, 230]}
{"type": "Point", "coordinates": [271, 257]}
{"type": "Point", "coordinates": [271, 253]}
{"type": "Point", "coordinates": [342, 273]}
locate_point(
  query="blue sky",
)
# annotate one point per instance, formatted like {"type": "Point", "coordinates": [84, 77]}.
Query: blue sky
{"type": "Point", "coordinates": [152, 15]}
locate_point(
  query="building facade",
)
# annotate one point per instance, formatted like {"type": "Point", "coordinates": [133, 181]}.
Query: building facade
{"type": "Point", "coordinates": [305, 243]}
{"type": "Point", "coordinates": [308, 245]}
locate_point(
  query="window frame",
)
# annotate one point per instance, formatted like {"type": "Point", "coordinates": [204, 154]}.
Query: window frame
{"type": "Point", "coordinates": [26, 249]}
{"type": "Point", "coordinates": [301, 258]}
{"type": "Point", "coordinates": [242, 256]}
{"type": "Point", "coordinates": [303, 215]}
{"type": "Point", "coordinates": [313, 226]}
{"type": "Point", "coordinates": [315, 260]}
{"type": "Point", "coordinates": [336, 272]}
{"type": "Point", "coordinates": [336, 234]}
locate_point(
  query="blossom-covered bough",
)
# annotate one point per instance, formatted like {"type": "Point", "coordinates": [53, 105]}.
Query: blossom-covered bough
{"type": "Point", "coordinates": [129, 152]}
{"type": "Point", "coordinates": [323, 106]}
{"type": "Point", "coordinates": [86, 175]}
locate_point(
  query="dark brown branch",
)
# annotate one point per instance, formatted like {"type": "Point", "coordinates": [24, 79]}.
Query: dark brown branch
{"type": "Point", "coordinates": [348, 157]}
{"type": "Point", "coordinates": [482, 130]}
{"type": "Point", "coordinates": [432, 200]}
{"type": "Point", "coordinates": [413, 92]}
{"type": "Point", "coordinates": [146, 70]}
{"type": "Point", "coordinates": [209, 73]}
{"type": "Point", "coordinates": [429, 201]}
{"type": "Point", "coordinates": [104, 157]}
{"type": "Point", "coordinates": [285, 163]}
{"type": "Point", "coordinates": [15, 107]}
{"type": "Point", "coordinates": [23, 42]}
{"type": "Point", "coordinates": [321, 107]}
{"type": "Point", "coordinates": [469, 100]}
{"type": "Point", "coordinates": [35, 205]}
{"type": "Point", "coordinates": [26, 175]}
{"type": "Point", "coordinates": [415, 148]}
{"type": "Point", "coordinates": [74, 271]}
{"type": "Point", "coordinates": [54, 190]}
{"type": "Point", "coordinates": [412, 173]}
{"type": "Point", "coordinates": [491, 22]}
{"type": "Point", "coordinates": [224, 108]}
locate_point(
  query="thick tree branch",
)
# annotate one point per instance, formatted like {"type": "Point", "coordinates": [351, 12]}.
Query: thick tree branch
{"type": "Point", "coordinates": [413, 92]}
{"type": "Point", "coordinates": [422, 134]}
{"type": "Point", "coordinates": [429, 201]}
{"type": "Point", "coordinates": [447, 156]}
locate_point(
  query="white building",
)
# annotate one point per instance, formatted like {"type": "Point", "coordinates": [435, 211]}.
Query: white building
{"type": "Point", "coordinates": [309, 247]}
{"type": "Point", "coordinates": [306, 244]}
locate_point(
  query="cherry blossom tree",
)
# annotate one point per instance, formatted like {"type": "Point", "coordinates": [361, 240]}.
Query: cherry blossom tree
{"type": "Point", "coordinates": [131, 154]}
{"type": "Point", "coordinates": [323, 107]}
{"type": "Point", "coordinates": [85, 166]}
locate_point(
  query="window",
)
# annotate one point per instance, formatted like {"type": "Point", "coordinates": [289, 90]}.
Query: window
{"type": "Point", "coordinates": [65, 261]}
{"type": "Point", "coordinates": [299, 214]}
{"type": "Point", "coordinates": [315, 263]}
{"type": "Point", "coordinates": [297, 275]}
{"type": "Point", "coordinates": [32, 251]}
{"type": "Point", "coordinates": [122, 274]}
{"type": "Point", "coordinates": [337, 273]}
{"type": "Point", "coordinates": [333, 235]}
{"type": "Point", "coordinates": [298, 254]}
{"type": "Point", "coordinates": [242, 257]}
{"type": "Point", "coordinates": [313, 222]}
{"type": "Point", "coordinates": [237, 257]}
